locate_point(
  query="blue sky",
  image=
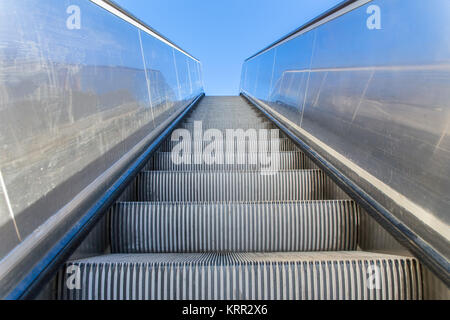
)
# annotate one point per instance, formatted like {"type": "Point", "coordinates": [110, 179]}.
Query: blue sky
{"type": "Point", "coordinates": [222, 34]}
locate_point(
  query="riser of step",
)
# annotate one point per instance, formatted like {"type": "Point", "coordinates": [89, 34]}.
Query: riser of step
{"type": "Point", "coordinates": [243, 162]}
{"type": "Point", "coordinates": [201, 186]}
{"type": "Point", "coordinates": [234, 119]}
{"type": "Point", "coordinates": [239, 146]}
{"type": "Point", "coordinates": [145, 227]}
{"type": "Point", "coordinates": [229, 113]}
{"type": "Point", "coordinates": [222, 127]}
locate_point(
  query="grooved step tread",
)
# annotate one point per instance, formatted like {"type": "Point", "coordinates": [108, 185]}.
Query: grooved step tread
{"type": "Point", "coordinates": [312, 275]}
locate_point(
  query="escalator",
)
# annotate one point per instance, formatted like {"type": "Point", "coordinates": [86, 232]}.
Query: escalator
{"type": "Point", "coordinates": [231, 224]}
{"type": "Point", "coordinates": [326, 179]}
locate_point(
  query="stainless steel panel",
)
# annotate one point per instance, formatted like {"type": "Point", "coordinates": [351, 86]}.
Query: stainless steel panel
{"type": "Point", "coordinates": [73, 101]}
{"type": "Point", "coordinates": [379, 99]}
{"type": "Point", "coordinates": [433, 287]}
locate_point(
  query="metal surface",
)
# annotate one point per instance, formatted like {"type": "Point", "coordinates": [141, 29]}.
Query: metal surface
{"type": "Point", "coordinates": [230, 276]}
{"type": "Point", "coordinates": [78, 102]}
{"type": "Point", "coordinates": [402, 233]}
{"type": "Point", "coordinates": [187, 239]}
{"type": "Point", "coordinates": [138, 227]}
{"type": "Point", "coordinates": [372, 237]}
{"type": "Point", "coordinates": [374, 104]}
{"type": "Point", "coordinates": [290, 160]}
{"type": "Point", "coordinates": [199, 186]}
{"type": "Point", "coordinates": [240, 146]}
{"type": "Point", "coordinates": [88, 99]}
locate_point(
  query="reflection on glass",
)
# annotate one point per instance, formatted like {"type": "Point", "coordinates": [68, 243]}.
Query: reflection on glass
{"type": "Point", "coordinates": [75, 100]}
{"type": "Point", "coordinates": [379, 97]}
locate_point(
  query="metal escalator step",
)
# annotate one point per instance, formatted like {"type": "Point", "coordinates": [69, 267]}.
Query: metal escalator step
{"type": "Point", "coordinates": [244, 162]}
{"type": "Point", "coordinates": [225, 109]}
{"type": "Point", "coordinates": [227, 112]}
{"type": "Point", "coordinates": [240, 145]}
{"type": "Point", "coordinates": [236, 231]}
{"type": "Point", "coordinates": [227, 116]}
{"type": "Point", "coordinates": [209, 186]}
{"type": "Point", "coordinates": [224, 126]}
{"type": "Point", "coordinates": [146, 227]}
{"type": "Point", "coordinates": [234, 119]}
{"type": "Point", "coordinates": [231, 276]}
